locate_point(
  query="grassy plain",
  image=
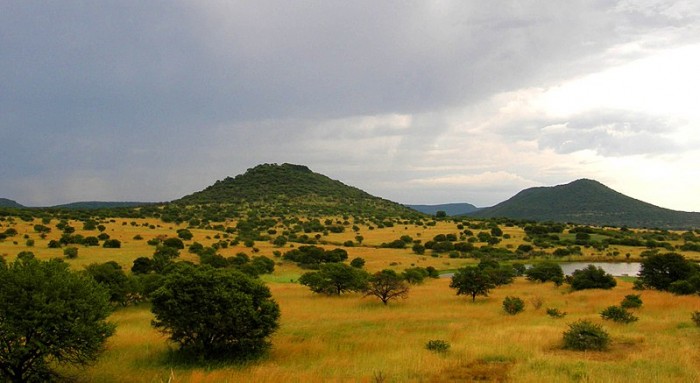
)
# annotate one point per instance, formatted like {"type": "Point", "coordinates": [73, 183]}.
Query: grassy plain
{"type": "Point", "coordinates": [351, 338]}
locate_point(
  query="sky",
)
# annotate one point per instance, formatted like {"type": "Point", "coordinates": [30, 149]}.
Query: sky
{"type": "Point", "coordinates": [419, 102]}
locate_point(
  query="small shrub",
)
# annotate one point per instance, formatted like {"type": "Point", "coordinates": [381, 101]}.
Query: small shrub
{"type": "Point", "coordinates": [555, 313]}
{"type": "Point", "coordinates": [618, 314]}
{"type": "Point", "coordinates": [357, 263]}
{"type": "Point", "coordinates": [437, 345]}
{"type": "Point", "coordinates": [71, 252]}
{"type": "Point", "coordinates": [585, 335]}
{"type": "Point", "coordinates": [513, 305]}
{"type": "Point", "coordinates": [695, 316]}
{"type": "Point", "coordinates": [631, 301]}
{"type": "Point", "coordinates": [536, 302]}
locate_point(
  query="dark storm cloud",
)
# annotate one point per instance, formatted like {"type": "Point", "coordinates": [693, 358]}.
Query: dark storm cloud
{"type": "Point", "coordinates": [103, 90]}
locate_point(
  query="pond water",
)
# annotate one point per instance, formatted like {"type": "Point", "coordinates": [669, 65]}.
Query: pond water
{"type": "Point", "coordinates": [617, 269]}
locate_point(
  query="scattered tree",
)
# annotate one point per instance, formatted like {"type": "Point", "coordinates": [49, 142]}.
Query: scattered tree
{"type": "Point", "coordinates": [387, 285]}
{"type": "Point", "coordinates": [335, 279]}
{"type": "Point", "coordinates": [472, 281]}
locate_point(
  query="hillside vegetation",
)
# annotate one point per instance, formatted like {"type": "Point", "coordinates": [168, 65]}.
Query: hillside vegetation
{"type": "Point", "coordinates": [588, 202]}
{"type": "Point", "coordinates": [292, 189]}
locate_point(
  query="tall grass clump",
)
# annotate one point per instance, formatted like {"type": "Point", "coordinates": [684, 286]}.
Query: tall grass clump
{"type": "Point", "coordinates": [438, 345]}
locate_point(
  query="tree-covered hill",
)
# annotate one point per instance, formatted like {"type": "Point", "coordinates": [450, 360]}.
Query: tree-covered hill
{"type": "Point", "coordinates": [588, 202]}
{"type": "Point", "coordinates": [4, 202]}
{"type": "Point", "coordinates": [289, 188]}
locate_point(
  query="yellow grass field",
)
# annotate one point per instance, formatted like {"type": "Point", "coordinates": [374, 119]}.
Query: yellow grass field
{"type": "Point", "coordinates": [355, 339]}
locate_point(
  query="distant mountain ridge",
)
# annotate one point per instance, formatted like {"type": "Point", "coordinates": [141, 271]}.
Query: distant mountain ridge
{"type": "Point", "coordinates": [4, 202]}
{"type": "Point", "coordinates": [292, 188]}
{"type": "Point", "coordinates": [588, 202]}
{"type": "Point", "coordinates": [89, 205]}
{"type": "Point", "coordinates": [451, 209]}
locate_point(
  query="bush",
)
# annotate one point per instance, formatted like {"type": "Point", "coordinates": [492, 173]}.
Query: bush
{"type": "Point", "coordinates": [357, 263]}
{"type": "Point", "coordinates": [513, 305]}
{"type": "Point", "coordinates": [112, 244]}
{"type": "Point", "coordinates": [555, 313]}
{"type": "Point", "coordinates": [618, 314]}
{"type": "Point", "coordinates": [584, 335]}
{"type": "Point", "coordinates": [437, 345]}
{"type": "Point", "coordinates": [631, 301]}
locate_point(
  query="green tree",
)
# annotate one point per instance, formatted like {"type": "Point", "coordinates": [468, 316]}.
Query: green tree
{"type": "Point", "coordinates": [173, 242]}
{"type": "Point", "coordinates": [335, 279]}
{"type": "Point", "coordinates": [660, 270]}
{"type": "Point", "coordinates": [48, 314]}
{"type": "Point", "coordinates": [184, 234]}
{"type": "Point", "coordinates": [235, 313]}
{"type": "Point", "coordinates": [592, 278]}
{"type": "Point", "coordinates": [111, 276]}
{"type": "Point", "coordinates": [387, 285]}
{"type": "Point", "coordinates": [142, 265]}
{"type": "Point", "coordinates": [472, 281]}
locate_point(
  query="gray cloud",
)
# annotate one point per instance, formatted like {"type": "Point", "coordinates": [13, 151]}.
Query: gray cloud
{"type": "Point", "coordinates": [171, 94]}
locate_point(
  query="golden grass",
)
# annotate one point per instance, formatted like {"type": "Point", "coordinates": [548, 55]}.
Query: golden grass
{"type": "Point", "coordinates": [355, 339]}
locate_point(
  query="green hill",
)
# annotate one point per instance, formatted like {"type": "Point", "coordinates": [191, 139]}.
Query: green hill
{"type": "Point", "coordinates": [289, 189]}
{"type": "Point", "coordinates": [4, 202]}
{"type": "Point", "coordinates": [588, 202]}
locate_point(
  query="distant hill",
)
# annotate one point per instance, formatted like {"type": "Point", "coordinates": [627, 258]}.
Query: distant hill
{"type": "Point", "coordinates": [89, 205]}
{"type": "Point", "coordinates": [289, 188]}
{"type": "Point", "coordinates": [4, 202]}
{"type": "Point", "coordinates": [451, 209]}
{"type": "Point", "coordinates": [588, 202]}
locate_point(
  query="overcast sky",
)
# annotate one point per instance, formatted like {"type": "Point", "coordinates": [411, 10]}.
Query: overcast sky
{"type": "Point", "coordinates": [415, 101]}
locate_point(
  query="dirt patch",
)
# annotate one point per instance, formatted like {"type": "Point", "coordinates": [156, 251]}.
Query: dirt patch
{"type": "Point", "coordinates": [477, 371]}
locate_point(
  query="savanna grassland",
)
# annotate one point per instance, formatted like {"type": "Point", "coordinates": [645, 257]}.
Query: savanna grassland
{"type": "Point", "coordinates": [355, 338]}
